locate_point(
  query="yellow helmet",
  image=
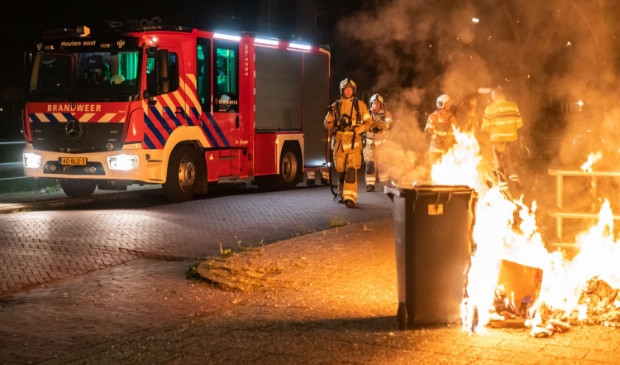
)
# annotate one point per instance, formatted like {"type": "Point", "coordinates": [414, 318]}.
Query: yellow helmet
{"type": "Point", "coordinates": [347, 83]}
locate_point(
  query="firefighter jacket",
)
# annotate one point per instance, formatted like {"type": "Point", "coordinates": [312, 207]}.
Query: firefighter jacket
{"type": "Point", "coordinates": [348, 137]}
{"type": "Point", "coordinates": [381, 123]}
{"type": "Point", "coordinates": [440, 128]}
{"type": "Point", "coordinates": [501, 120]}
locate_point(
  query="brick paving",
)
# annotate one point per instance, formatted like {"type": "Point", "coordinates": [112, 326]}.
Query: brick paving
{"type": "Point", "coordinates": [42, 246]}
{"type": "Point", "coordinates": [123, 266]}
{"type": "Point", "coordinates": [335, 302]}
{"type": "Point", "coordinates": [57, 319]}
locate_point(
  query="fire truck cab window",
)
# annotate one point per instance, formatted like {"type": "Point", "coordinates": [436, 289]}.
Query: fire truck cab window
{"type": "Point", "coordinates": [91, 75]}
{"type": "Point", "coordinates": [163, 86]}
{"type": "Point", "coordinates": [225, 78]}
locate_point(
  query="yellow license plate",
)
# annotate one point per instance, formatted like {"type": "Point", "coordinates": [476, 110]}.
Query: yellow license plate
{"type": "Point", "coordinates": [73, 161]}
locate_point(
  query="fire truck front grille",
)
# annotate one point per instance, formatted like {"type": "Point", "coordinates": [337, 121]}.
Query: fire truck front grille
{"type": "Point", "coordinates": [76, 137]}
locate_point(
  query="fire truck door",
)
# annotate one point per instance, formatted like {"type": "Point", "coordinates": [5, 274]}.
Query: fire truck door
{"type": "Point", "coordinates": [226, 117]}
{"type": "Point", "coordinates": [169, 110]}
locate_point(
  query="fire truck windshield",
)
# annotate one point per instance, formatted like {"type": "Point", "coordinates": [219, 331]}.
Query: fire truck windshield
{"type": "Point", "coordinates": [97, 76]}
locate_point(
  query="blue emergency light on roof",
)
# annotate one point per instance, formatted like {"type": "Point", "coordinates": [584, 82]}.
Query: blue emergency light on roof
{"type": "Point", "coordinates": [305, 47]}
{"type": "Point", "coordinates": [227, 37]}
{"type": "Point", "coordinates": [269, 42]}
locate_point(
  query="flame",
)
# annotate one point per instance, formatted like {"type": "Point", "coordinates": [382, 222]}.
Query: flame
{"type": "Point", "coordinates": [506, 229]}
{"type": "Point", "coordinates": [461, 165]}
{"type": "Point", "coordinates": [592, 159]}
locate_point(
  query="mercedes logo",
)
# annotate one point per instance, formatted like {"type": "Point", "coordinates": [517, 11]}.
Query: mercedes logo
{"type": "Point", "coordinates": [73, 129]}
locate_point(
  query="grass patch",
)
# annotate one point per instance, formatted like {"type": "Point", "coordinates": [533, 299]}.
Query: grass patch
{"type": "Point", "coordinates": [29, 185]}
{"type": "Point", "coordinates": [336, 222]}
{"type": "Point", "coordinates": [193, 275]}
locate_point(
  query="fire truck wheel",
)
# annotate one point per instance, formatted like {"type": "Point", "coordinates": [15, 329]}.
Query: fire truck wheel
{"type": "Point", "coordinates": [290, 170]}
{"type": "Point", "coordinates": [290, 167]}
{"type": "Point", "coordinates": [78, 188]}
{"type": "Point", "coordinates": [180, 182]}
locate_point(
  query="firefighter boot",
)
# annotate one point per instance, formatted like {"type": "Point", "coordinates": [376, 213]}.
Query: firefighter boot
{"type": "Point", "coordinates": [341, 187]}
{"type": "Point", "coordinates": [371, 177]}
{"type": "Point", "coordinates": [350, 187]}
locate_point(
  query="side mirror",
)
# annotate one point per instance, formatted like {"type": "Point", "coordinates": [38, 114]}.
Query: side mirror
{"type": "Point", "coordinates": [163, 80]}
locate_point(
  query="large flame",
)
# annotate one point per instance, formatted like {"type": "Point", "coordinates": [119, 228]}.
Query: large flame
{"type": "Point", "coordinates": [592, 159]}
{"type": "Point", "coordinates": [498, 237]}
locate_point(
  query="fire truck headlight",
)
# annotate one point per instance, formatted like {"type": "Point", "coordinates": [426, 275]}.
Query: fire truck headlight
{"type": "Point", "coordinates": [123, 162]}
{"type": "Point", "coordinates": [32, 160]}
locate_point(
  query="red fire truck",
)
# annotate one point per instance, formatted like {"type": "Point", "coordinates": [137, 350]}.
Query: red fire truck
{"type": "Point", "coordinates": [181, 107]}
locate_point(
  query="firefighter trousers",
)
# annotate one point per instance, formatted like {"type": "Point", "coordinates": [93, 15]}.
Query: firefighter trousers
{"type": "Point", "coordinates": [347, 164]}
{"type": "Point", "coordinates": [372, 168]}
{"type": "Point", "coordinates": [502, 151]}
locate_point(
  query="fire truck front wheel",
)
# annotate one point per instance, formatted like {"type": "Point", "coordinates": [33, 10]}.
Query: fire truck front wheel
{"type": "Point", "coordinates": [181, 180]}
{"type": "Point", "coordinates": [78, 188]}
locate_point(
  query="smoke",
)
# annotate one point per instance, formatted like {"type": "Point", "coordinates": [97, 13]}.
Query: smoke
{"type": "Point", "coordinates": [417, 50]}
{"type": "Point", "coordinates": [548, 55]}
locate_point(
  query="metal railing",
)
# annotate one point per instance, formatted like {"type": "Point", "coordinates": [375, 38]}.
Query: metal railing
{"type": "Point", "coordinates": [561, 214]}
{"type": "Point", "coordinates": [12, 169]}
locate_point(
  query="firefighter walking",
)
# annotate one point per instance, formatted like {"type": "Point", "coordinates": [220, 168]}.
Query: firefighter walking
{"type": "Point", "coordinates": [381, 123]}
{"type": "Point", "coordinates": [348, 118]}
{"type": "Point", "coordinates": [501, 121]}
{"type": "Point", "coordinates": [439, 128]}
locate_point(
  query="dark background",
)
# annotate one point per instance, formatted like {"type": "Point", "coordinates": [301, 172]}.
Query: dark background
{"type": "Point", "coordinates": [27, 19]}
{"type": "Point", "coordinates": [392, 47]}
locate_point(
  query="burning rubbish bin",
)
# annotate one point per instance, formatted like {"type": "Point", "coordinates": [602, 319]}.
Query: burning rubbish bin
{"type": "Point", "coordinates": [432, 225]}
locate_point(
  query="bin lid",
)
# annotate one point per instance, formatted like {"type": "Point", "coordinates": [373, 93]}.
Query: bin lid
{"type": "Point", "coordinates": [426, 187]}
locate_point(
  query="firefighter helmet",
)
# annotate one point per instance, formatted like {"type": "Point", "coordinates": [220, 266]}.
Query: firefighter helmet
{"type": "Point", "coordinates": [117, 79]}
{"type": "Point", "coordinates": [442, 100]}
{"type": "Point", "coordinates": [347, 83]}
{"type": "Point", "coordinates": [498, 93]}
{"type": "Point", "coordinates": [378, 98]}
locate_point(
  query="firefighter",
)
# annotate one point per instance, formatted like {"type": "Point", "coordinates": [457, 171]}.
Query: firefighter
{"type": "Point", "coordinates": [347, 118]}
{"type": "Point", "coordinates": [381, 123]}
{"type": "Point", "coordinates": [439, 128]}
{"type": "Point", "coordinates": [501, 121]}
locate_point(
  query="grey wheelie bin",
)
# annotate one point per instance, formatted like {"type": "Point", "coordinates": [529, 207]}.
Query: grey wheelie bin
{"type": "Point", "coordinates": [433, 225]}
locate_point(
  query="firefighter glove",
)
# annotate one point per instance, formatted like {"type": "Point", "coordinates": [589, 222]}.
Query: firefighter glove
{"type": "Point", "coordinates": [360, 128]}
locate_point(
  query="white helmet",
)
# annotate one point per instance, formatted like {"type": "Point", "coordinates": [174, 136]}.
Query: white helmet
{"type": "Point", "coordinates": [378, 98]}
{"type": "Point", "coordinates": [347, 83]}
{"type": "Point", "coordinates": [442, 100]}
